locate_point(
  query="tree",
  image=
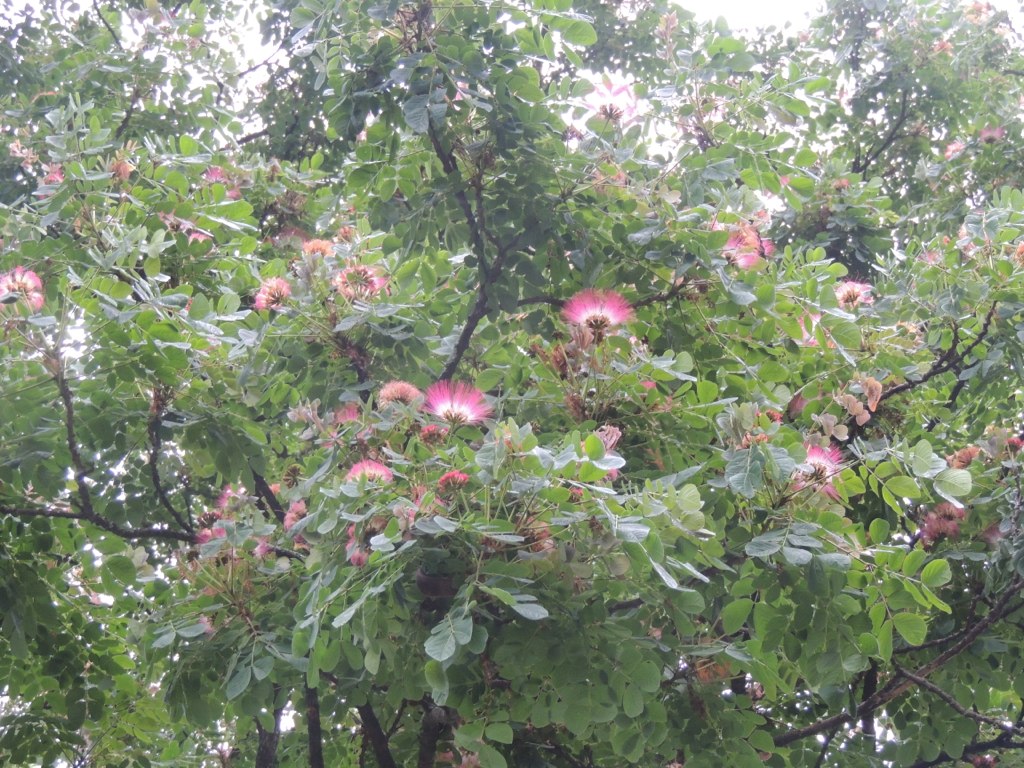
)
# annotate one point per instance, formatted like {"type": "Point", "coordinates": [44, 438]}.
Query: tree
{"type": "Point", "coordinates": [534, 384]}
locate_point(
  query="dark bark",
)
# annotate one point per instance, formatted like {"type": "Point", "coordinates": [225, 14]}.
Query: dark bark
{"type": "Point", "coordinates": [313, 731]}
{"type": "Point", "coordinates": [266, 752]}
{"type": "Point", "coordinates": [373, 731]}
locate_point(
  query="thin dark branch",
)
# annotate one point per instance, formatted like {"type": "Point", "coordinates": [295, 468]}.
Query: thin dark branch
{"type": "Point", "coordinates": [947, 361]}
{"type": "Point", "coordinates": [129, 534]}
{"type": "Point", "coordinates": [1000, 742]}
{"type": "Point", "coordinates": [153, 431]}
{"type": "Point", "coordinates": [556, 303]}
{"type": "Point", "coordinates": [887, 140]}
{"type": "Point", "coordinates": [898, 684]}
{"type": "Point", "coordinates": [378, 739]}
{"type": "Point", "coordinates": [825, 746]}
{"type": "Point", "coordinates": [81, 471]}
{"type": "Point", "coordinates": [110, 29]}
{"type": "Point", "coordinates": [313, 730]}
{"type": "Point", "coordinates": [928, 685]}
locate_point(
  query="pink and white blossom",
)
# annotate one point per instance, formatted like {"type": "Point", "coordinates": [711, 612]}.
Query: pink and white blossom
{"type": "Point", "coordinates": [371, 470]}
{"type": "Point", "coordinates": [456, 403]}
{"type": "Point", "coordinates": [851, 294]}
{"type": "Point", "coordinates": [359, 282]}
{"type": "Point", "coordinates": [398, 392]}
{"type": "Point", "coordinates": [25, 285]}
{"type": "Point", "coordinates": [597, 310]}
{"type": "Point", "coordinates": [821, 466]}
{"type": "Point", "coordinates": [272, 294]}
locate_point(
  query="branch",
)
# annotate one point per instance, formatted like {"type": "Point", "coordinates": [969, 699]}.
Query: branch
{"type": "Point", "coordinates": [266, 752]}
{"type": "Point", "coordinates": [153, 430]}
{"type": "Point", "coordinates": [129, 534]}
{"type": "Point", "coordinates": [887, 140]}
{"type": "Point", "coordinates": [898, 684]}
{"type": "Point", "coordinates": [434, 721]}
{"type": "Point", "coordinates": [110, 29]}
{"type": "Point", "coordinates": [81, 471]}
{"type": "Point", "coordinates": [1000, 742]}
{"type": "Point", "coordinates": [955, 705]}
{"type": "Point", "coordinates": [378, 739]}
{"type": "Point", "coordinates": [947, 361]}
{"type": "Point", "coordinates": [266, 499]}
{"type": "Point", "coordinates": [316, 739]}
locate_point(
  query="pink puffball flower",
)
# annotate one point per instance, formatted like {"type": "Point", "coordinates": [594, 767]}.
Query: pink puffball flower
{"type": "Point", "coordinates": [370, 470]}
{"type": "Point", "coordinates": [398, 392]}
{"type": "Point", "coordinates": [954, 148]}
{"type": "Point", "coordinates": [990, 134]}
{"type": "Point", "coordinates": [613, 99]}
{"type": "Point", "coordinates": [296, 511]}
{"type": "Point", "coordinates": [597, 310]}
{"type": "Point", "coordinates": [25, 285]}
{"type": "Point", "coordinates": [272, 294]}
{"type": "Point", "coordinates": [823, 464]}
{"type": "Point", "coordinates": [850, 294]}
{"type": "Point", "coordinates": [746, 248]}
{"type": "Point", "coordinates": [451, 482]}
{"type": "Point", "coordinates": [359, 282]}
{"type": "Point", "coordinates": [456, 403]}
{"type": "Point", "coordinates": [347, 413]}
{"type": "Point", "coordinates": [318, 247]}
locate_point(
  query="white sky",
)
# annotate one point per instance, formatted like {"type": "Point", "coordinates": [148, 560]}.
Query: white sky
{"type": "Point", "coordinates": [749, 14]}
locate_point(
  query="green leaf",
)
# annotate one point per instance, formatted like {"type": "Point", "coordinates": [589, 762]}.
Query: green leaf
{"type": "Point", "coordinates": [936, 573]}
{"type": "Point", "coordinates": [735, 614]}
{"type": "Point", "coordinates": [911, 627]}
{"type": "Point", "coordinates": [745, 471]}
{"type": "Point", "coordinates": [499, 732]}
{"type": "Point", "coordinates": [953, 484]}
{"type": "Point", "coordinates": [239, 681]}
{"type": "Point", "coordinates": [903, 486]}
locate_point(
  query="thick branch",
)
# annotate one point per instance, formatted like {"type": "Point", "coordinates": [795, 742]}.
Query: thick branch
{"type": "Point", "coordinates": [81, 471]}
{"type": "Point", "coordinates": [373, 731]}
{"type": "Point", "coordinates": [266, 499]}
{"type": "Point", "coordinates": [434, 721]}
{"type": "Point", "coordinates": [266, 751]}
{"type": "Point", "coordinates": [313, 731]}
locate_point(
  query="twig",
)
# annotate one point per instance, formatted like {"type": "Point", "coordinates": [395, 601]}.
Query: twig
{"type": "Point", "coordinates": [266, 498]}
{"type": "Point", "coordinates": [153, 431]}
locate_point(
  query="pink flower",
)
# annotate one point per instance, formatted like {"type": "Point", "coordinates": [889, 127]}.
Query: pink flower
{"type": "Point", "coordinates": [746, 248]}
{"type": "Point", "coordinates": [358, 557]}
{"type": "Point", "coordinates": [296, 511]}
{"type": "Point", "coordinates": [456, 403]}
{"type": "Point", "coordinates": [613, 99]}
{"type": "Point", "coordinates": [204, 535]}
{"type": "Point", "coordinates": [318, 247]}
{"type": "Point", "coordinates": [808, 324]}
{"type": "Point", "coordinates": [850, 294]}
{"type": "Point", "coordinates": [273, 293]}
{"type": "Point", "coordinates": [359, 282]}
{"type": "Point", "coordinates": [398, 392]}
{"type": "Point", "coordinates": [609, 436]}
{"type": "Point", "coordinates": [347, 413]}
{"type": "Point", "coordinates": [215, 175]}
{"type": "Point", "coordinates": [371, 470]}
{"type": "Point", "coordinates": [597, 310]}
{"type": "Point", "coordinates": [823, 464]}
{"type": "Point", "coordinates": [954, 148]}
{"type": "Point", "coordinates": [25, 285]}
{"type": "Point", "coordinates": [263, 547]}
{"type": "Point", "coordinates": [942, 522]}
{"type": "Point", "coordinates": [452, 482]}
{"type": "Point", "coordinates": [54, 174]}
{"type": "Point", "coordinates": [990, 135]}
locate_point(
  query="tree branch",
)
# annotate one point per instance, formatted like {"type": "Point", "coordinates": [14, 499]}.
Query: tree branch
{"type": "Point", "coordinates": [887, 141]}
{"type": "Point", "coordinates": [110, 29]}
{"type": "Point", "coordinates": [898, 684]}
{"type": "Point", "coordinates": [153, 432]}
{"type": "Point", "coordinates": [922, 682]}
{"type": "Point", "coordinates": [313, 730]}
{"type": "Point", "coordinates": [434, 721]}
{"type": "Point", "coordinates": [129, 534]}
{"type": "Point", "coordinates": [373, 731]}
{"type": "Point", "coordinates": [266, 499]}
{"type": "Point", "coordinates": [266, 751]}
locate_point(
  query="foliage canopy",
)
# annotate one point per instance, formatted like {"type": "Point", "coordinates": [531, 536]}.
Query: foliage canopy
{"type": "Point", "coordinates": [516, 383]}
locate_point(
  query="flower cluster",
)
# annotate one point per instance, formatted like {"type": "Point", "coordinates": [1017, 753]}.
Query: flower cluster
{"type": "Point", "coordinates": [272, 294]}
{"type": "Point", "coordinates": [942, 522]}
{"type": "Point", "coordinates": [746, 248]}
{"type": "Point", "coordinates": [24, 286]}
{"type": "Point", "coordinates": [359, 281]}
{"type": "Point", "coordinates": [851, 294]}
{"type": "Point", "coordinates": [821, 466]}
{"type": "Point", "coordinates": [456, 403]}
{"type": "Point", "coordinates": [597, 310]}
